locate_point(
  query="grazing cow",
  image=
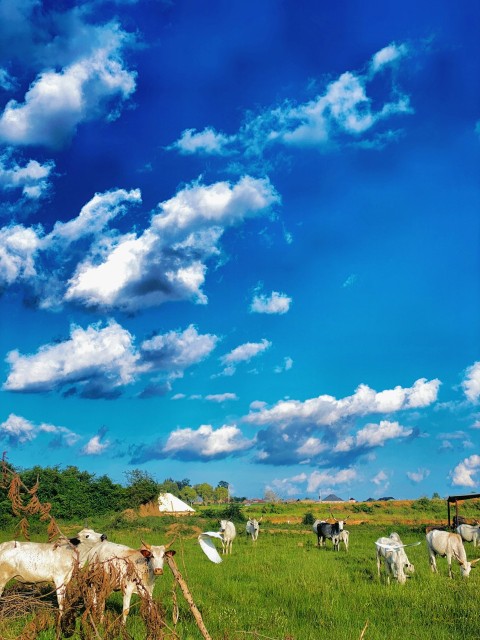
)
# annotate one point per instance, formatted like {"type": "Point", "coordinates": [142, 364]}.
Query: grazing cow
{"type": "Point", "coordinates": [469, 533]}
{"type": "Point", "coordinates": [227, 529]}
{"type": "Point", "coordinates": [326, 530]}
{"type": "Point", "coordinates": [390, 552]}
{"type": "Point", "coordinates": [129, 570]}
{"type": "Point", "coordinates": [342, 536]}
{"type": "Point", "coordinates": [407, 565]}
{"type": "Point", "coordinates": [449, 545]}
{"type": "Point", "coordinates": [252, 528]}
{"type": "Point", "coordinates": [33, 562]}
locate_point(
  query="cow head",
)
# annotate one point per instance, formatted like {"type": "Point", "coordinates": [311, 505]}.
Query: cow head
{"type": "Point", "coordinates": [155, 555]}
{"type": "Point", "coordinates": [87, 537]}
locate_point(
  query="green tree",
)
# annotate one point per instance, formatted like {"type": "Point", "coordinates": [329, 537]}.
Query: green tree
{"type": "Point", "coordinates": [205, 491]}
{"type": "Point", "coordinates": [220, 494]}
{"type": "Point", "coordinates": [141, 488]}
{"type": "Point", "coordinates": [188, 494]}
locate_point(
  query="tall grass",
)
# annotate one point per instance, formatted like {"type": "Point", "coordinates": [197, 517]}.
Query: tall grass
{"type": "Point", "coordinates": [283, 586]}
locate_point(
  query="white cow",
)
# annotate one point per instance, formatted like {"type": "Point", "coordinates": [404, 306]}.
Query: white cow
{"type": "Point", "coordinates": [227, 529]}
{"type": "Point", "coordinates": [449, 545]}
{"type": "Point", "coordinates": [391, 551]}
{"type": "Point", "coordinates": [129, 570]}
{"type": "Point", "coordinates": [341, 536]}
{"type": "Point", "coordinates": [33, 562]}
{"type": "Point", "coordinates": [252, 528]}
{"type": "Point", "coordinates": [469, 533]}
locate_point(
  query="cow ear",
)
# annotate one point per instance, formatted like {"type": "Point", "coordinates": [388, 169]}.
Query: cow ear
{"type": "Point", "coordinates": [146, 553]}
{"type": "Point", "coordinates": [171, 552]}
{"type": "Point", "coordinates": [74, 541]}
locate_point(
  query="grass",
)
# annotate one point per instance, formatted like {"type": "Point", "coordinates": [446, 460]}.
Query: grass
{"type": "Point", "coordinates": [283, 586]}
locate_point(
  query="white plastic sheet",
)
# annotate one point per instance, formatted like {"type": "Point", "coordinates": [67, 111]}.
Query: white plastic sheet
{"type": "Point", "coordinates": [208, 547]}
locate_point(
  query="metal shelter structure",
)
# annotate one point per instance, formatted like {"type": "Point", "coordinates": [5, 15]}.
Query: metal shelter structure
{"type": "Point", "coordinates": [455, 500]}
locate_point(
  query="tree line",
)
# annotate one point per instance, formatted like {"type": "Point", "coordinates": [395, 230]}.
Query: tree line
{"type": "Point", "coordinates": [80, 494]}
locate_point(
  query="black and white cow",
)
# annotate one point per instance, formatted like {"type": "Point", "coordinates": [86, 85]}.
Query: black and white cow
{"type": "Point", "coordinates": [326, 530]}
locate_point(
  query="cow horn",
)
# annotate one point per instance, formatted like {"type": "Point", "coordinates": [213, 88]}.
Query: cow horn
{"type": "Point", "coordinates": [147, 546]}
{"type": "Point", "coordinates": [475, 561]}
{"type": "Point", "coordinates": [169, 544]}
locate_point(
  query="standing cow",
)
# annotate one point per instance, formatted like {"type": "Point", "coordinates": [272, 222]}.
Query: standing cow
{"type": "Point", "coordinates": [34, 562]}
{"type": "Point", "coordinates": [448, 545]}
{"type": "Point", "coordinates": [252, 528]}
{"type": "Point", "coordinates": [326, 530]}
{"type": "Point", "coordinates": [391, 551]}
{"type": "Point", "coordinates": [469, 533]}
{"type": "Point", "coordinates": [228, 531]}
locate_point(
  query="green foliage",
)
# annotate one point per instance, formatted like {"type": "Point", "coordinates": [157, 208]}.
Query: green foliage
{"type": "Point", "coordinates": [422, 503]}
{"type": "Point", "coordinates": [362, 508]}
{"type": "Point", "coordinates": [308, 518]}
{"type": "Point", "coordinates": [233, 512]}
{"type": "Point", "coordinates": [142, 488]}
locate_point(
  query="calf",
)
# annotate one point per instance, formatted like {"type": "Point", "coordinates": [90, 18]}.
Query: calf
{"type": "Point", "coordinates": [342, 536]}
{"type": "Point", "coordinates": [129, 570]}
{"type": "Point", "coordinates": [33, 562]}
{"type": "Point", "coordinates": [469, 533]}
{"type": "Point", "coordinates": [252, 528]}
{"type": "Point", "coordinates": [326, 530]}
{"type": "Point", "coordinates": [227, 529]}
{"type": "Point", "coordinates": [449, 545]}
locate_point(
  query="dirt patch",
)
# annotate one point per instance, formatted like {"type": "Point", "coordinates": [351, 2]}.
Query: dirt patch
{"type": "Point", "coordinates": [186, 531]}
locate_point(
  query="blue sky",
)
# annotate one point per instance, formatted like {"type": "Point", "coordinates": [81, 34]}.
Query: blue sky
{"type": "Point", "coordinates": [240, 242]}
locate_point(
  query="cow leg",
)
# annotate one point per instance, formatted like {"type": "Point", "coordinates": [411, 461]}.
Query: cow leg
{"type": "Point", "coordinates": [128, 590]}
{"type": "Point", "coordinates": [379, 563]}
{"type": "Point", "coordinates": [433, 562]}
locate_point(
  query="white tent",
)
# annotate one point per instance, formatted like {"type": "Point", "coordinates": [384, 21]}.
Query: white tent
{"type": "Point", "coordinates": [168, 503]}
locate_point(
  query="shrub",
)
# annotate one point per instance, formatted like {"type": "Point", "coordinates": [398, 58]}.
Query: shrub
{"type": "Point", "coordinates": [308, 518]}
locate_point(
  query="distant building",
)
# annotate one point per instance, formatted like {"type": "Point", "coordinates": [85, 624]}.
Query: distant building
{"type": "Point", "coordinates": [351, 500]}
{"type": "Point", "coordinates": [332, 498]}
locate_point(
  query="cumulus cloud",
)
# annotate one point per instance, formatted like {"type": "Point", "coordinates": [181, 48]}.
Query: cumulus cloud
{"type": "Point", "coordinates": [471, 382]}
{"type": "Point", "coordinates": [95, 446]}
{"type": "Point", "coordinates": [32, 178]}
{"type": "Point", "coordinates": [168, 260]}
{"type": "Point", "coordinates": [208, 142]}
{"type": "Point", "coordinates": [330, 477]}
{"type": "Point", "coordinates": [464, 474]}
{"type": "Point", "coordinates": [275, 303]}
{"type": "Point", "coordinates": [98, 362]}
{"type": "Point", "coordinates": [285, 366]}
{"type": "Point", "coordinates": [58, 101]}
{"type": "Point", "coordinates": [418, 476]}
{"type": "Point", "coordinates": [85, 261]}
{"type": "Point", "coordinates": [204, 443]}
{"type": "Point", "coordinates": [16, 430]}
{"type": "Point", "coordinates": [343, 113]}
{"type": "Point", "coordinates": [321, 429]}
{"type": "Point", "coordinates": [177, 350]}
{"type": "Point", "coordinates": [243, 353]}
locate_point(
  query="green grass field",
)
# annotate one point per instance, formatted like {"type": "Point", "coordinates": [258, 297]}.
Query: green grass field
{"type": "Point", "coordinates": [283, 586]}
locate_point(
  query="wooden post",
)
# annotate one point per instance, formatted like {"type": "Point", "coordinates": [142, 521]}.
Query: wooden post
{"type": "Point", "coordinates": [448, 508]}
{"type": "Point", "coordinates": [188, 596]}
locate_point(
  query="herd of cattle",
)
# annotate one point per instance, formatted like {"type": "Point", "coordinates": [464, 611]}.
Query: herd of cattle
{"type": "Point", "coordinates": [134, 570]}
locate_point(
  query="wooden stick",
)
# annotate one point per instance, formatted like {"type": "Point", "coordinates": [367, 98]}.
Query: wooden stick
{"type": "Point", "coordinates": [188, 596]}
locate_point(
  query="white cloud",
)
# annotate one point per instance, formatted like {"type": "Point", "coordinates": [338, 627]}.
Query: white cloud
{"type": "Point", "coordinates": [58, 101]}
{"type": "Point", "coordinates": [98, 359]}
{"type": "Point", "coordinates": [17, 430]}
{"type": "Point", "coordinates": [326, 410]}
{"type": "Point", "coordinates": [95, 446]}
{"type": "Point", "coordinates": [32, 178]}
{"type": "Point", "coordinates": [471, 383]}
{"type": "Point", "coordinates": [380, 479]}
{"type": "Point", "coordinates": [18, 248]}
{"type": "Point", "coordinates": [330, 477]}
{"type": "Point", "coordinates": [94, 216]}
{"type": "Point", "coordinates": [344, 112]}
{"type": "Point", "coordinates": [387, 56]}
{"type": "Point", "coordinates": [419, 475]}
{"type": "Point", "coordinates": [463, 474]}
{"type": "Point", "coordinates": [177, 350]}
{"type": "Point", "coordinates": [207, 141]}
{"type": "Point", "coordinates": [221, 397]}
{"type": "Point", "coordinates": [275, 303]}
{"type": "Point", "coordinates": [206, 442]}
{"type": "Point", "coordinates": [286, 366]}
{"type": "Point", "coordinates": [245, 352]}
{"type": "Point", "coordinates": [374, 435]}
{"type": "Point", "coordinates": [167, 261]}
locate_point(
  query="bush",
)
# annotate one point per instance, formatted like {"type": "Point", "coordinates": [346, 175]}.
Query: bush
{"type": "Point", "coordinates": [308, 518]}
